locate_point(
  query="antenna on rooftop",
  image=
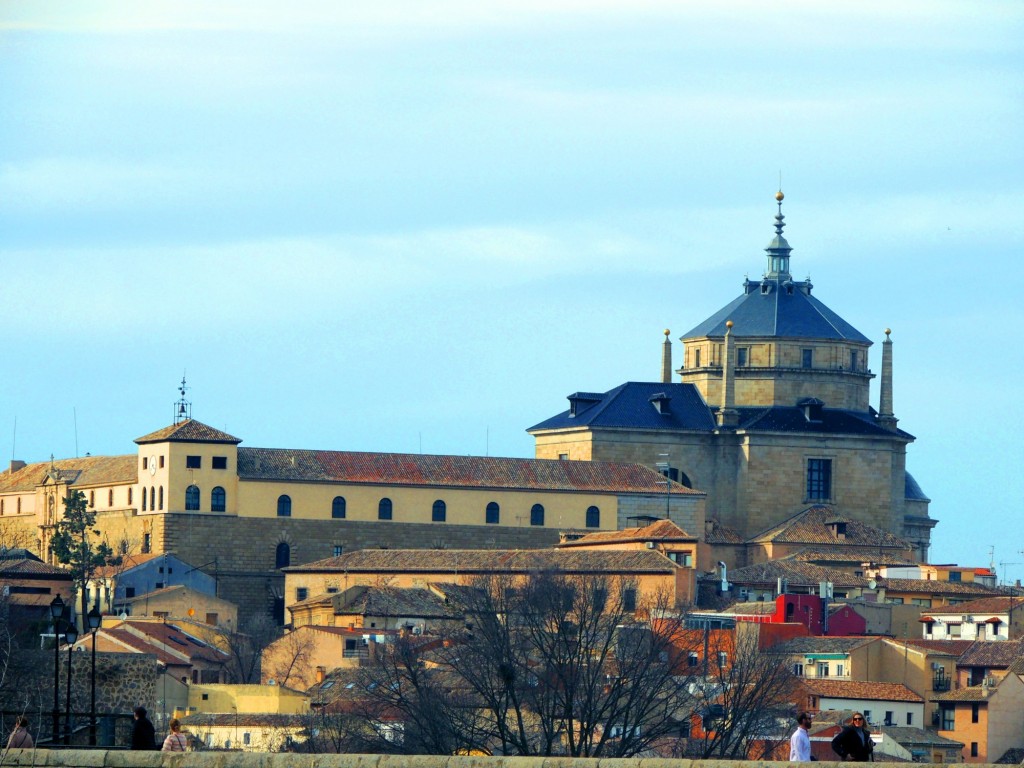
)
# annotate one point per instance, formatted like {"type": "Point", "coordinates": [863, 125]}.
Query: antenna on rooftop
{"type": "Point", "coordinates": [182, 408]}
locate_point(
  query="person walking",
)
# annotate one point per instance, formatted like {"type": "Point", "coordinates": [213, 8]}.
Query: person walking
{"type": "Point", "coordinates": [20, 737]}
{"type": "Point", "coordinates": [176, 741]}
{"type": "Point", "coordinates": [143, 733]}
{"type": "Point", "coordinates": [800, 742]}
{"type": "Point", "coordinates": [854, 741]}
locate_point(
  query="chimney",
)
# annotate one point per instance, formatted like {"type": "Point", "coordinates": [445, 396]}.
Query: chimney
{"type": "Point", "coordinates": [885, 414]}
{"type": "Point", "coordinates": [666, 359]}
{"type": "Point", "coordinates": [17, 464]}
{"type": "Point", "coordinates": [727, 415]}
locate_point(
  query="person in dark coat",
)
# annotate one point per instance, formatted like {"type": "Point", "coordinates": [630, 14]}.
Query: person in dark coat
{"type": "Point", "coordinates": [854, 741]}
{"type": "Point", "coordinates": [143, 733]}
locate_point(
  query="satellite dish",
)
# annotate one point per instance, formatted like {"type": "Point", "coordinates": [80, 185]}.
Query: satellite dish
{"type": "Point", "coordinates": [872, 584]}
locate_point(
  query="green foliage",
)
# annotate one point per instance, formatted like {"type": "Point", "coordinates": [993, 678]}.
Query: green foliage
{"type": "Point", "coordinates": [76, 543]}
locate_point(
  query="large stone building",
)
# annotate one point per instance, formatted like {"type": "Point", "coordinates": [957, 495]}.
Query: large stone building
{"type": "Point", "coordinates": [771, 415]}
{"type": "Point", "coordinates": [241, 514]}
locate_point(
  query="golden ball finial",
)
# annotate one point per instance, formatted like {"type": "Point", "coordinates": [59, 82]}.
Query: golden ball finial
{"type": "Point", "coordinates": [728, 323]}
{"type": "Point", "coordinates": [888, 331]}
{"type": "Point", "coordinates": [779, 196]}
{"type": "Point", "coordinates": [667, 331]}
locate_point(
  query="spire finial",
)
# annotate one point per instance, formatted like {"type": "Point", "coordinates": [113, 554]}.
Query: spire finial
{"type": "Point", "coordinates": [778, 249]}
{"type": "Point", "coordinates": [182, 408]}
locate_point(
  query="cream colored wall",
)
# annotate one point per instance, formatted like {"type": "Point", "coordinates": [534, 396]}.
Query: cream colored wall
{"type": "Point", "coordinates": [250, 699]}
{"type": "Point", "coordinates": [415, 504]}
{"type": "Point", "coordinates": [206, 477]}
{"type": "Point", "coordinates": [178, 603]}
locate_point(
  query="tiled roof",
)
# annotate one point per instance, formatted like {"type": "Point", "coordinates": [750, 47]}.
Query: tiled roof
{"type": "Point", "coordinates": [848, 555]}
{"type": "Point", "coordinates": [451, 471]}
{"type": "Point", "coordinates": [82, 472]}
{"type": "Point", "coordinates": [983, 605]}
{"type": "Point", "coordinates": [140, 645]}
{"type": "Point", "coordinates": [833, 421]}
{"type": "Point", "coordinates": [777, 314]}
{"type": "Point", "coordinates": [812, 526]}
{"type": "Point", "coordinates": [858, 689]}
{"type": "Point", "coordinates": [991, 654]}
{"type": "Point", "coordinates": [13, 569]}
{"type": "Point", "coordinates": [663, 530]}
{"type": "Point", "coordinates": [909, 736]}
{"type": "Point", "coordinates": [630, 405]}
{"type": "Point", "coordinates": [392, 601]}
{"type": "Point", "coordinates": [949, 647]}
{"type": "Point", "coordinates": [474, 561]}
{"type": "Point", "coordinates": [972, 693]}
{"type": "Point", "coordinates": [810, 646]}
{"type": "Point", "coordinates": [716, 533]}
{"type": "Point", "coordinates": [171, 636]}
{"type": "Point", "coordinates": [929, 587]}
{"type": "Point", "coordinates": [16, 553]}
{"type": "Point", "coordinates": [188, 431]}
{"type": "Point", "coordinates": [795, 572]}
{"type": "Point", "coordinates": [1012, 756]}
{"type": "Point", "coordinates": [750, 609]}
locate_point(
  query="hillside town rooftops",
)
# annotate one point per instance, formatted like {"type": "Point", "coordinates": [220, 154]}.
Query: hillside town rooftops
{"type": "Point", "coordinates": [858, 689]}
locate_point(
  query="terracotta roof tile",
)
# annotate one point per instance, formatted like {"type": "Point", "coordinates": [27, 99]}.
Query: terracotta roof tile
{"type": "Point", "coordinates": [663, 530]}
{"type": "Point", "coordinates": [82, 472]}
{"type": "Point", "coordinates": [1000, 604]}
{"type": "Point", "coordinates": [716, 533]}
{"type": "Point", "coordinates": [972, 693]}
{"type": "Point", "coordinates": [991, 654]}
{"type": "Point", "coordinates": [812, 645]}
{"type": "Point", "coordinates": [244, 720]}
{"type": "Point", "coordinates": [949, 647]}
{"type": "Point", "coordinates": [859, 689]}
{"type": "Point", "coordinates": [850, 554]}
{"type": "Point", "coordinates": [473, 561]}
{"type": "Point", "coordinates": [797, 573]}
{"type": "Point", "coordinates": [189, 431]}
{"type": "Point", "coordinates": [451, 471]}
{"type": "Point", "coordinates": [930, 587]}
{"type": "Point", "coordinates": [811, 526]}
{"type": "Point", "coordinates": [31, 567]}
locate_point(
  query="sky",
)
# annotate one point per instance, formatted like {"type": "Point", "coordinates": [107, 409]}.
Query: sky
{"type": "Point", "coordinates": [417, 227]}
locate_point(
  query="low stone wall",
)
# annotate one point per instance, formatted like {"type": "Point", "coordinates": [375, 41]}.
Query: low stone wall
{"type": "Point", "coordinates": [59, 758]}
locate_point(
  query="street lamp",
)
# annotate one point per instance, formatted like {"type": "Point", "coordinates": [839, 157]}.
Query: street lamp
{"type": "Point", "coordinates": [56, 611]}
{"type": "Point", "coordinates": [70, 635]}
{"type": "Point", "coordinates": [94, 620]}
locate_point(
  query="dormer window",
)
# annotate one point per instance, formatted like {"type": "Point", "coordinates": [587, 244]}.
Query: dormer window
{"type": "Point", "coordinates": [765, 289]}
{"type": "Point", "coordinates": [838, 529]}
{"type": "Point", "coordinates": [580, 402]}
{"type": "Point", "coordinates": [813, 408]}
{"type": "Point", "coordinates": [661, 402]}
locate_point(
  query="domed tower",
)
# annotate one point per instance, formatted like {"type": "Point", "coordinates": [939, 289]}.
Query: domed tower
{"type": "Point", "coordinates": [786, 345]}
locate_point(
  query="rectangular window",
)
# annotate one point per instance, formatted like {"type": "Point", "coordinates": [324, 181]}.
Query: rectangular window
{"type": "Point", "coordinates": [161, 462]}
{"type": "Point", "coordinates": [910, 718]}
{"type": "Point", "coordinates": [974, 749]}
{"type": "Point", "coordinates": [888, 717]}
{"type": "Point", "coordinates": [220, 462]}
{"type": "Point", "coordinates": [247, 738]}
{"type": "Point", "coordinates": [806, 358]}
{"type": "Point", "coordinates": [955, 576]}
{"type": "Point", "coordinates": [839, 670]}
{"type": "Point", "coordinates": [822, 669]}
{"type": "Point", "coordinates": [798, 670]}
{"type": "Point", "coordinates": [948, 718]}
{"type": "Point", "coordinates": [692, 659]}
{"type": "Point", "coordinates": [819, 479]}
{"type": "Point", "coordinates": [975, 711]}
{"type": "Point", "coordinates": [211, 619]}
{"type": "Point", "coordinates": [696, 358]}
{"type": "Point", "coordinates": [147, 543]}
{"type": "Point", "coordinates": [145, 462]}
{"type": "Point", "coordinates": [301, 593]}
{"type": "Point", "coordinates": [741, 357]}
{"type": "Point", "coordinates": [954, 630]}
{"type": "Point", "coordinates": [193, 462]}
{"type": "Point", "coordinates": [563, 457]}
{"type": "Point", "coordinates": [723, 659]}
{"type": "Point", "coordinates": [629, 599]}
{"type": "Point", "coordinates": [338, 549]}
{"type": "Point", "coordinates": [129, 593]}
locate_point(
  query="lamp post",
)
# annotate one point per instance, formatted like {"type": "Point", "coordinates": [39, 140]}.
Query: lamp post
{"type": "Point", "coordinates": [70, 635]}
{"type": "Point", "coordinates": [56, 610]}
{"type": "Point", "coordinates": [94, 619]}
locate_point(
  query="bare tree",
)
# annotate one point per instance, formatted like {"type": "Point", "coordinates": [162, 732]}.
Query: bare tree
{"type": "Point", "coordinates": [288, 660]}
{"type": "Point", "coordinates": [245, 647]}
{"type": "Point", "coordinates": [551, 664]}
{"type": "Point", "coordinates": [742, 698]}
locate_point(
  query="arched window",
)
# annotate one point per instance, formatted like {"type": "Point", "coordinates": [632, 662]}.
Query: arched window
{"type": "Point", "coordinates": [384, 509]}
{"type": "Point", "coordinates": [152, 498]}
{"type": "Point", "coordinates": [284, 506]}
{"type": "Point", "coordinates": [283, 556]}
{"type": "Point", "coordinates": [143, 499]}
{"type": "Point", "coordinates": [439, 512]}
{"type": "Point", "coordinates": [493, 514]}
{"type": "Point", "coordinates": [110, 497]}
{"type": "Point", "coordinates": [537, 514]}
{"type": "Point", "coordinates": [161, 498]}
{"type": "Point", "coordinates": [593, 517]}
{"type": "Point", "coordinates": [129, 495]}
{"type": "Point", "coordinates": [338, 507]}
{"type": "Point", "coordinates": [218, 500]}
{"type": "Point", "coordinates": [192, 498]}
{"type": "Point", "coordinates": [684, 480]}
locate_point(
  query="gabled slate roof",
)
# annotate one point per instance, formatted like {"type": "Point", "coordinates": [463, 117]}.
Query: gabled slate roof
{"type": "Point", "coordinates": [84, 471]}
{"type": "Point", "coordinates": [778, 314]}
{"type": "Point", "coordinates": [188, 431]}
{"type": "Point", "coordinates": [629, 406]}
{"type": "Point", "coordinates": [392, 601]}
{"type": "Point", "coordinates": [991, 654]}
{"type": "Point", "coordinates": [411, 469]}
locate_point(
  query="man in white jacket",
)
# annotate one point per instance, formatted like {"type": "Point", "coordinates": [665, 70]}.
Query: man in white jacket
{"type": "Point", "coordinates": [800, 743]}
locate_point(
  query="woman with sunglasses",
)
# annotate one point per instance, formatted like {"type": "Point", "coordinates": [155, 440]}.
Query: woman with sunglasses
{"type": "Point", "coordinates": [854, 741]}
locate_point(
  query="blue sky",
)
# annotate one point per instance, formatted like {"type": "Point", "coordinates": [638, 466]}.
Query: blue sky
{"type": "Point", "coordinates": [408, 226]}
